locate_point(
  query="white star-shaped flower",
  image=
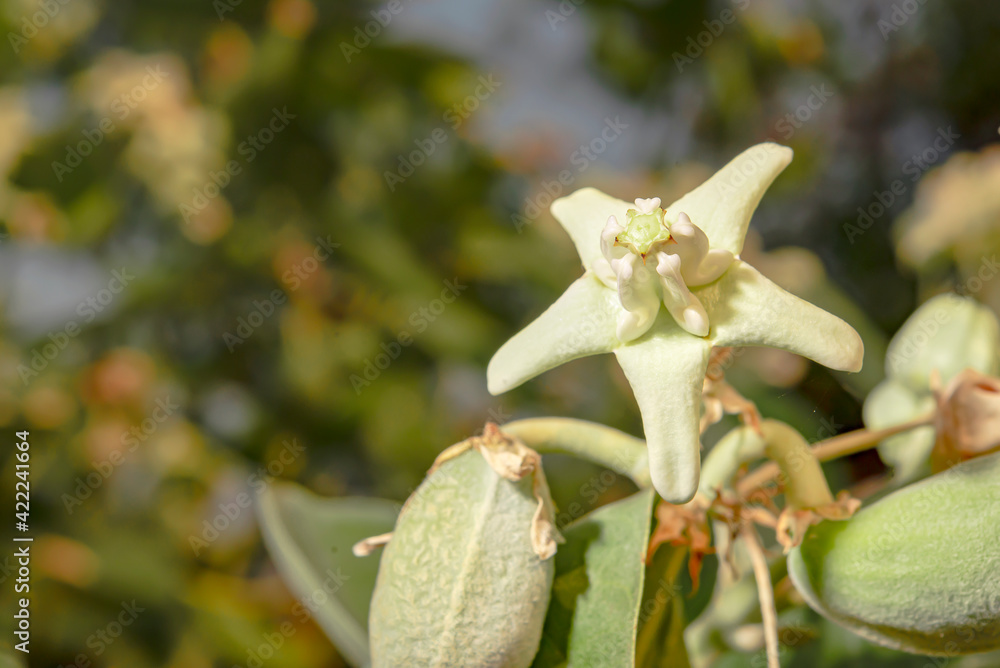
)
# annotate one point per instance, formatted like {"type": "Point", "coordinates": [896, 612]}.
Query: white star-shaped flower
{"type": "Point", "coordinates": [687, 258]}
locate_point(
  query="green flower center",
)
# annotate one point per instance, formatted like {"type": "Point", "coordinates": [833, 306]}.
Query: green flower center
{"type": "Point", "coordinates": [642, 230]}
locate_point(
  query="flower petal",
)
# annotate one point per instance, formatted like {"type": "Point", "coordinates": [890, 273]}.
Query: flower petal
{"type": "Point", "coordinates": [909, 453]}
{"type": "Point", "coordinates": [665, 369]}
{"type": "Point", "coordinates": [746, 309]}
{"type": "Point", "coordinates": [947, 334]}
{"type": "Point", "coordinates": [723, 204]}
{"type": "Point", "coordinates": [580, 323]}
{"type": "Point", "coordinates": [701, 264]}
{"type": "Point", "coordinates": [680, 302]}
{"type": "Point", "coordinates": [638, 296]}
{"type": "Point", "coordinates": [583, 214]}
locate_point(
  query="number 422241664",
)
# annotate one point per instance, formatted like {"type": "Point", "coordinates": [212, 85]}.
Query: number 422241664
{"type": "Point", "coordinates": [22, 471]}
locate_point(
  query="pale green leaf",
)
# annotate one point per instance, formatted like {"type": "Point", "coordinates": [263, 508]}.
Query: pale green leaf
{"type": "Point", "coordinates": [460, 582]}
{"type": "Point", "coordinates": [594, 612]}
{"type": "Point", "coordinates": [310, 540]}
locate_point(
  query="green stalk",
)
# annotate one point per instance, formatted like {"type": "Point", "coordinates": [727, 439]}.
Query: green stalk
{"type": "Point", "coordinates": [602, 445]}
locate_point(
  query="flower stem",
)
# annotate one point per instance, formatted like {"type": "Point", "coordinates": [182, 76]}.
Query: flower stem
{"type": "Point", "coordinates": [602, 445]}
{"type": "Point", "coordinates": [765, 592]}
{"type": "Point", "coordinates": [833, 448]}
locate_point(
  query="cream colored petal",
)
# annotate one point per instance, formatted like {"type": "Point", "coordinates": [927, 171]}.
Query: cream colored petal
{"type": "Point", "coordinates": [580, 323]}
{"type": "Point", "coordinates": [665, 369]}
{"type": "Point", "coordinates": [722, 205]}
{"type": "Point", "coordinates": [700, 264]}
{"type": "Point", "coordinates": [746, 309]}
{"type": "Point", "coordinates": [608, 237]}
{"type": "Point", "coordinates": [638, 295]}
{"type": "Point", "coordinates": [584, 214]}
{"type": "Point", "coordinates": [680, 302]}
{"type": "Point", "coordinates": [909, 453]}
{"type": "Point", "coordinates": [946, 334]}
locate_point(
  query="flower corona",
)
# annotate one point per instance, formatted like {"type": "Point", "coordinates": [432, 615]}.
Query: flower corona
{"type": "Point", "coordinates": [682, 259]}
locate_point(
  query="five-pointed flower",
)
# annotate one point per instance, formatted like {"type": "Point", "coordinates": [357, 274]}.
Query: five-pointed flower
{"type": "Point", "coordinates": [685, 257]}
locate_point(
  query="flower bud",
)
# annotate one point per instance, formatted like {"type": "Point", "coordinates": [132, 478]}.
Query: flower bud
{"type": "Point", "coordinates": [916, 571]}
{"type": "Point", "coordinates": [968, 418]}
{"type": "Point", "coordinates": [466, 577]}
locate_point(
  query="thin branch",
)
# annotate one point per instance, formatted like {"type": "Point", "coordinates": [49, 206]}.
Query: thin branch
{"type": "Point", "coordinates": [832, 448]}
{"type": "Point", "coordinates": [762, 575]}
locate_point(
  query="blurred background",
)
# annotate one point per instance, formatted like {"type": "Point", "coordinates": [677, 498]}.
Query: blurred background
{"type": "Point", "coordinates": [245, 240]}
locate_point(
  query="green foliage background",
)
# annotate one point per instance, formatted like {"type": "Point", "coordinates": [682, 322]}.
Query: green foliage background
{"type": "Point", "coordinates": [302, 392]}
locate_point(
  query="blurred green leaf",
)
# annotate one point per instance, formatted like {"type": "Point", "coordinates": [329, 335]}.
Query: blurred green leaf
{"type": "Point", "coordinates": [310, 540]}
{"type": "Point", "coordinates": [594, 612]}
{"type": "Point", "coordinates": [662, 617]}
